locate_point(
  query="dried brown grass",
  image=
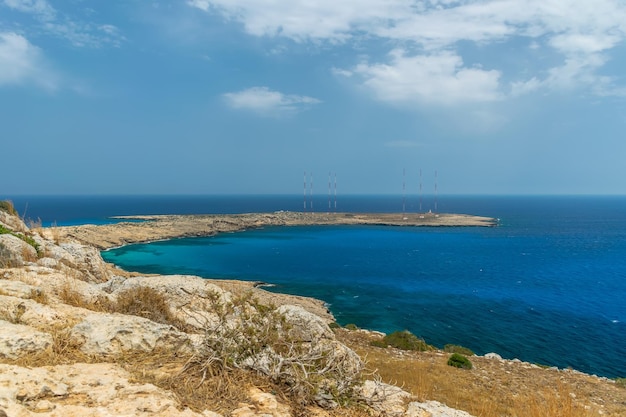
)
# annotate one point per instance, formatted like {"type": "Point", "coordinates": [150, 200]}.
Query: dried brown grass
{"type": "Point", "coordinates": [487, 392]}
{"type": "Point", "coordinates": [63, 350]}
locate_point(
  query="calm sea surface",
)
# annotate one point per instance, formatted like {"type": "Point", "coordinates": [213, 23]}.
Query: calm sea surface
{"type": "Point", "coordinates": [548, 285]}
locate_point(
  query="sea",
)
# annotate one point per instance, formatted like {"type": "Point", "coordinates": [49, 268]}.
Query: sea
{"type": "Point", "coordinates": [547, 285]}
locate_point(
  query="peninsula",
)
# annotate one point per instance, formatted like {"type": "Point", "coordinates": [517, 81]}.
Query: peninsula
{"type": "Point", "coordinates": [139, 229]}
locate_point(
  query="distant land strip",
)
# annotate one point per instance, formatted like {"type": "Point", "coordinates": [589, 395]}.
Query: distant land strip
{"type": "Point", "coordinates": [161, 227]}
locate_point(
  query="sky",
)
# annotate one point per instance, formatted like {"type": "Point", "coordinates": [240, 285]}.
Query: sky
{"type": "Point", "coordinates": [263, 96]}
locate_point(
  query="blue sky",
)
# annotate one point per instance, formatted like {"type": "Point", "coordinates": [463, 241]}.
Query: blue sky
{"type": "Point", "coordinates": [244, 96]}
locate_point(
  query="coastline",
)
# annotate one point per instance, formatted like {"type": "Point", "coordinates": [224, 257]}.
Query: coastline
{"type": "Point", "coordinates": [154, 228]}
{"type": "Point", "coordinates": [64, 295]}
{"type": "Point", "coordinates": [162, 227]}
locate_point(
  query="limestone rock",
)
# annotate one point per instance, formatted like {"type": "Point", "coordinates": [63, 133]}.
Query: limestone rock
{"type": "Point", "coordinates": [14, 251]}
{"type": "Point", "coordinates": [88, 260]}
{"type": "Point", "coordinates": [78, 390]}
{"type": "Point", "coordinates": [29, 312]}
{"type": "Point", "coordinates": [12, 222]}
{"type": "Point", "coordinates": [306, 327]}
{"type": "Point", "coordinates": [188, 297]}
{"type": "Point", "coordinates": [113, 334]}
{"type": "Point", "coordinates": [263, 405]}
{"type": "Point", "coordinates": [17, 340]}
{"type": "Point", "coordinates": [492, 355]}
{"type": "Point", "coordinates": [388, 400]}
{"type": "Point", "coordinates": [17, 289]}
{"type": "Point", "coordinates": [433, 409]}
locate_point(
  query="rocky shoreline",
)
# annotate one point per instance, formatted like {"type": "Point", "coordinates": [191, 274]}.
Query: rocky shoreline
{"type": "Point", "coordinates": [161, 227]}
{"type": "Point", "coordinates": [70, 346]}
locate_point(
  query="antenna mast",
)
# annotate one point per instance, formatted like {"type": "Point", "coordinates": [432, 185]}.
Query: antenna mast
{"type": "Point", "coordinates": [435, 191]}
{"type": "Point", "coordinates": [420, 190]}
{"type": "Point", "coordinates": [403, 190]}
{"type": "Point", "coordinates": [328, 192]}
{"type": "Point", "coordinates": [311, 193]}
{"type": "Point", "coordinates": [335, 192]}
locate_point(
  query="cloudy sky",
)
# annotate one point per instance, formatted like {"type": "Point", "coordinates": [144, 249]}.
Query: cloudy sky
{"type": "Point", "coordinates": [244, 96]}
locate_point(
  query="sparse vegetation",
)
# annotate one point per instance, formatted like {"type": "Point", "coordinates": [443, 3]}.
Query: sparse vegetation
{"type": "Point", "coordinates": [620, 382]}
{"type": "Point", "coordinates": [238, 335]}
{"type": "Point", "coordinates": [25, 238]}
{"type": "Point", "coordinates": [458, 349]}
{"type": "Point", "coordinates": [403, 340]}
{"type": "Point", "coordinates": [491, 389]}
{"type": "Point", "coordinates": [459, 361]}
{"type": "Point", "coordinates": [145, 302]}
{"type": "Point", "coordinates": [7, 206]}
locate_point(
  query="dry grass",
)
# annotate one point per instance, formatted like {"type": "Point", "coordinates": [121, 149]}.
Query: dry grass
{"type": "Point", "coordinates": [63, 350]}
{"type": "Point", "coordinates": [148, 303]}
{"type": "Point", "coordinates": [492, 389]}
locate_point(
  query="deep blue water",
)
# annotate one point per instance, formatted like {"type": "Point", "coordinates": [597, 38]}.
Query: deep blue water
{"type": "Point", "coordinates": [548, 285]}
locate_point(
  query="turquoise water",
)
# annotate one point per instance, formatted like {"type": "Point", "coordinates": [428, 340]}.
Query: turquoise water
{"type": "Point", "coordinates": [548, 285]}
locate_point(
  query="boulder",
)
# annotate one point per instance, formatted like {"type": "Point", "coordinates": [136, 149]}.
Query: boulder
{"type": "Point", "coordinates": [15, 252]}
{"type": "Point", "coordinates": [114, 334]}
{"type": "Point", "coordinates": [189, 297]}
{"type": "Point", "coordinates": [386, 399]}
{"type": "Point", "coordinates": [17, 340]}
{"type": "Point", "coordinates": [305, 326]}
{"type": "Point", "coordinates": [12, 222]}
{"type": "Point", "coordinates": [433, 409]}
{"type": "Point", "coordinates": [87, 259]}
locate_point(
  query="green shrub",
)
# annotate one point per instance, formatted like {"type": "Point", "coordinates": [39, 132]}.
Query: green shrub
{"type": "Point", "coordinates": [25, 238]}
{"type": "Point", "coordinates": [459, 361]}
{"type": "Point", "coordinates": [449, 348]}
{"type": "Point", "coordinates": [379, 343]}
{"type": "Point", "coordinates": [404, 340]}
{"type": "Point", "coordinates": [351, 326]}
{"type": "Point", "coordinates": [334, 325]}
{"type": "Point", "coordinates": [621, 382]}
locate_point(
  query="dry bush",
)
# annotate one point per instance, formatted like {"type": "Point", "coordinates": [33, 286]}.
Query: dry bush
{"type": "Point", "coordinates": [39, 296]}
{"type": "Point", "coordinates": [148, 303]}
{"type": "Point", "coordinates": [245, 335]}
{"type": "Point", "coordinates": [70, 296]}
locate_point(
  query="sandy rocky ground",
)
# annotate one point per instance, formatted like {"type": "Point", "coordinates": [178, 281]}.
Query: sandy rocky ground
{"type": "Point", "coordinates": [69, 258]}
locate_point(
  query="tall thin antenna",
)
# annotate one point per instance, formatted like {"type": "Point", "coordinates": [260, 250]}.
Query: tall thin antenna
{"type": "Point", "coordinates": [311, 194]}
{"type": "Point", "coordinates": [305, 191]}
{"type": "Point", "coordinates": [335, 192]}
{"type": "Point", "coordinates": [403, 190]}
{"type": "Point", "coordinates": [329, 192]}
{"type": "Point", "coordinates": [435, 191]}
{"type": "Point", "coordinates": [420, 190]}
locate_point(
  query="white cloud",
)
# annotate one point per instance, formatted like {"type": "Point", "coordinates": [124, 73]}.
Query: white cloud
{"type": "Point", "coordinates": [22, 62]}
{"type": "Point", "coordinates": [572, 31]}
{"type": "Point", "coordinates": [79, 33]}
{"type": "Point", "coordinates": [435, 79]}
{"type": "Point", "coordinates": [302, 20]}
{"type": "Point", "coordinates": [40, 8]}
{"type": "Point", "coordinates": [268, 102]}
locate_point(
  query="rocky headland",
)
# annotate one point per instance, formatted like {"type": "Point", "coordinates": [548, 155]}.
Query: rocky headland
{"type": "Point", "coordinates": [159, 227]}
{"type": "Point", "coordinates": [80, 337]}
